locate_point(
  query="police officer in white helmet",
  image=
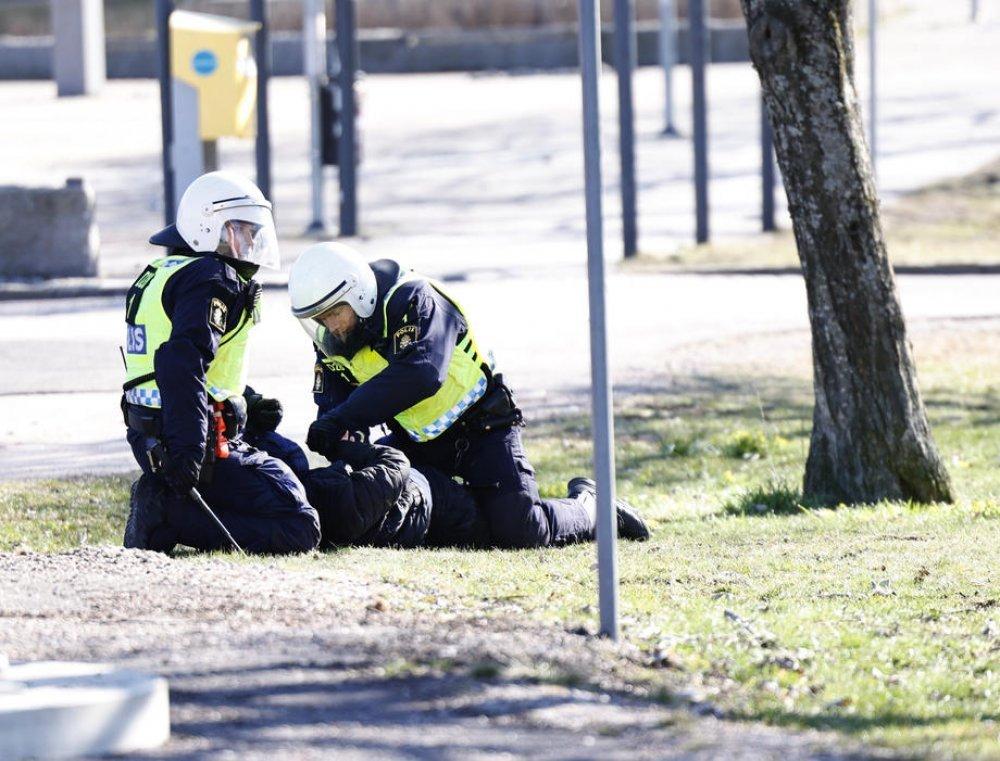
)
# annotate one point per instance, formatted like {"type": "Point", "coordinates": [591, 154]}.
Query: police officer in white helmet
{"type": "Point", "coordinates": [393, 347]}
{"type": "Point", "coordinates": [188, 320]}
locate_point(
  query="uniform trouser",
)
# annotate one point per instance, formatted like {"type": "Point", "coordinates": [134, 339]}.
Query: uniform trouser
{"type": "Point", "coordinates": [496, 468]}
{"type": "Point", "coordinates": [257, 497]}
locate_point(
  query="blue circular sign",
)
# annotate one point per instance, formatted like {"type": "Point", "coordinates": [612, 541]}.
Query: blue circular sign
{"type": "Point", "coordinates": [205, 62]}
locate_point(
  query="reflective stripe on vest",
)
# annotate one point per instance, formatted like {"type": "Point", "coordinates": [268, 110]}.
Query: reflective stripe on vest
{"type": "Point", "coordinates": [148, 327]}
{"type": "Point", "coordinates": [464, 385]}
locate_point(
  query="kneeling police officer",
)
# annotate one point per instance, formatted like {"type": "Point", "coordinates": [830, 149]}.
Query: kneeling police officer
{"type": "Point", "coordinates": [392, 347]}
{"type": "Point", "coordinates": [189, 316]}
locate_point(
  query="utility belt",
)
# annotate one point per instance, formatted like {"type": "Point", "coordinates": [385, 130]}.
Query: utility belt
{"type": "Point", "coordinates": [225, 423]}
{"type": "Point", "coordinates": [495, 411]}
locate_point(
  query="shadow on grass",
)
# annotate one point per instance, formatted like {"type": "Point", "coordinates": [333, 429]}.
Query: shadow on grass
{"type": "Point", "coordinates": [853, 724]}
{"type": "Point", "coordinates": [773, 498]}
{"type": "Point", "coordinates": [700, 400]}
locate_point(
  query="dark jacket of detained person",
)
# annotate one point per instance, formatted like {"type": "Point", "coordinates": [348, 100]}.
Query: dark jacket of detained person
{"type": "Point", "coordinates": [370, 496]}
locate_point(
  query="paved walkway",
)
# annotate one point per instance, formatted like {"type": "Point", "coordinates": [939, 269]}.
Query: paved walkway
{"type": "Point", "coordinates": [62, 368]}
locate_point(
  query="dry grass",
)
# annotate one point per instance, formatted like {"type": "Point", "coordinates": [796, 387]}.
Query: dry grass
{"type": "Point", "coordinates": [949, 224]}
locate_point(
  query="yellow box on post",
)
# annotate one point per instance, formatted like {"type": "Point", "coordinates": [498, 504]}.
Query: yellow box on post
{"type": "Point", "coordinates": [214, 55]}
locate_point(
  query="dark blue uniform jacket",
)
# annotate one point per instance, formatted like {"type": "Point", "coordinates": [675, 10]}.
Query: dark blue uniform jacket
{"type": "Point", "coordinates": [181, 362]}
{"type": "Point", "coordinates": [423, 329]}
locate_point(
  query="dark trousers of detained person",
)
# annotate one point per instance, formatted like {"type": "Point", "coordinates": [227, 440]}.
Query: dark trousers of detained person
{"type": "Point", "coordinates": [494, 466]}
{"type": "Point", "coordinates": [256, 496]}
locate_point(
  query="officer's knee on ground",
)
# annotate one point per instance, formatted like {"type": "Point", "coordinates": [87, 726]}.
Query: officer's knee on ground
{"type": "Point", "coordinates": [302, 534]}
{"type": "Point", "coordinates": [517, 521]}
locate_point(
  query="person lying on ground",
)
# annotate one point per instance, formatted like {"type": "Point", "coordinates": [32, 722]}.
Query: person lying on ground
{"type": "Point", "coordinates": [371, 495]}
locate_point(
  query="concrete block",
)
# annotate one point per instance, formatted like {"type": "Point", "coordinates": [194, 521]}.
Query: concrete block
{"type": "Point", "coordinates": [48, 232]}
{"type": "Point", "coordinates": [65, 710]}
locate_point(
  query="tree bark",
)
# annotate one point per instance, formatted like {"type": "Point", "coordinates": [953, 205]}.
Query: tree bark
{"type": "Point", "coordinates": [870, 437]}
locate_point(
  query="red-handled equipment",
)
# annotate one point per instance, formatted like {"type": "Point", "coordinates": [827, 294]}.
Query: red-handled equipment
{"type": "Point", "coordinates": [219, 423]}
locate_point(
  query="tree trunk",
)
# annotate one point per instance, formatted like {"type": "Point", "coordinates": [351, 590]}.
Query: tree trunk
{"type": "Point", "coordinates": [870, 438]}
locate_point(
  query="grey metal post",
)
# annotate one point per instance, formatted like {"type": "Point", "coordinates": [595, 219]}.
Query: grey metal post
{"type": "Point", "coordinates": [974, 11]}
{"type": "Point", "coordinates": [604, 463]}
{"type": "Point", "coordinates": [78, 46]}
{"type": "Point", "coordinates": [163, 10]}
{"type": "Point", "coordinates": [625, 64]}
{"type": "Point", "coordinates": [314, 60]}
{"type": "Point", "coordinates": [699, 46]}
{"type": "Point", "coordinates": [766, 170]}
{"type": "Point", "coordinates": [262, 51]}
{"type": "Point", "coordinates": [668, 57]}
{"type": "Point", "coordinates": [873, 82]}
{"type": "Point", "coordinates": [347, 159]}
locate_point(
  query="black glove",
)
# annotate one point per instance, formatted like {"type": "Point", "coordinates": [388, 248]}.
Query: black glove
{"type": "Point", "coordinates": [357, 454]}
{"type": "Point", "coordinates": [181, 473]}
{"type": "Point", "coordinates": [263, 415]}
{"type": "Point", "coordinates": [324, 434]}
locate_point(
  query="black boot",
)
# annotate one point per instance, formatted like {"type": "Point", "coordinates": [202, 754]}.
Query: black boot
{"type": "Point", "coordinates": [630, 524]}
{"type": "Point", "coordinates": [146, 527]}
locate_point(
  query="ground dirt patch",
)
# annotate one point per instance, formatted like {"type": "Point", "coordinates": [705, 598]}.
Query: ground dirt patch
{"type": "Point", "coordinates": [268, 662]}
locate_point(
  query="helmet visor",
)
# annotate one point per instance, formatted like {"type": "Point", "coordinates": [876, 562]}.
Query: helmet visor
{"type": "Point", "coordinates": [247, 235]}
{"type": "Point", "coordinates": [321, 337]}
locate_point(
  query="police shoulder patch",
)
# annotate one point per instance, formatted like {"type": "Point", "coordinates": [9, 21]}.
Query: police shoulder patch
{"type": "Point", "coordinates": [404, 337]}
{"type": "Point", "coordinates": [217, 314]}
{"type": "Point", "coordinates": [319, 380]}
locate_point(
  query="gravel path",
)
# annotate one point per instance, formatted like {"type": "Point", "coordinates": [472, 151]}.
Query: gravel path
{"type": "Point", "coordinates": [270, 662]}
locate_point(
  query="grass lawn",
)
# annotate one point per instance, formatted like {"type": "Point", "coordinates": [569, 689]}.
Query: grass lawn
{"type": "Point", "coordinates": [951, 223]}
{"type": "Point", "coordinates": [880, 622]}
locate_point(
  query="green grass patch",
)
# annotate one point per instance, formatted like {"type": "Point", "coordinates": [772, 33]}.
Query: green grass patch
{"type": "Point", "coordinates": [54, 515]}
{"type": "Point", "coordinates": [881, 622]}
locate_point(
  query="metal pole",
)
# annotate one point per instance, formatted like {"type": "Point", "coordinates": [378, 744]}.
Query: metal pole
{"type": "Point", "coordinates": [766, 170]}
{"type": "Point", "coordinates": [314, 59]}
{"type": "Point", "coordinates": [163, 10]}
{"type": "Point", "coordinates": [625, 63]}
{"type": "Point", "coordinates": [974, 11]}
{"type": "Point", "coordinates": [668, 57]}
{"type": "Point", "coordinates": [604, 463]}
{"type": "Point", "coordinates": [873, 83]}
{"type": "Point", "coordinates": [347, 158]}
{"type": "Point", "coordinates": [262, 50]}
{"type": "Point", "coordinates": [696, 12]}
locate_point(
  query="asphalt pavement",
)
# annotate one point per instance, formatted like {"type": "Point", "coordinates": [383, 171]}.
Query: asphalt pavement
{"type": "Point", "coordinates": [60, 386]}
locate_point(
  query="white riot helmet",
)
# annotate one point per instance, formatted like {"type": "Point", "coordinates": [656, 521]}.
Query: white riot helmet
{"type": "Point", "coordinates": [328, 274]}
{"type": "Point", "coordinates": [324, 276]}
{"type": "Point", "coordinates": [224, 213]}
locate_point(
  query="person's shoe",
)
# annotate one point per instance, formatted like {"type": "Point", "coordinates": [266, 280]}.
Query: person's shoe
{"type": "Point", "coordinates": [147, 512]}
{"type": "Point", "coordinates": [630, 523]}
{"type": "Point", "coordinates": [577, 486]}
